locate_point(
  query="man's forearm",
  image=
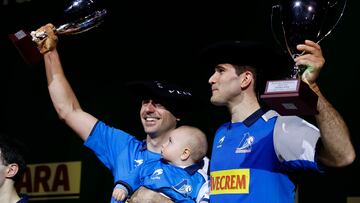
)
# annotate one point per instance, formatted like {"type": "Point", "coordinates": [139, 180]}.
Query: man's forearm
{"type": "Point", "coordinates": [337, 147]}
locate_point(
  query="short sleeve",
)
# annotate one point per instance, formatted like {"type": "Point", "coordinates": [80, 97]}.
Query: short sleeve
{"type": "Point", "coordinates": [295, 142]}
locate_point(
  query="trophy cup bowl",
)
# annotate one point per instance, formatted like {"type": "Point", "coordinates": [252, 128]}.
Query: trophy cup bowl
{"type": "Point", "coordinates": [299, 20]}
{"type": "Point", "coordinates": [78, 16]}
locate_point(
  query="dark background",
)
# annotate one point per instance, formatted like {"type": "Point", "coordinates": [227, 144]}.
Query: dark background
{"type": "Point", "coordinates": [154, 40]}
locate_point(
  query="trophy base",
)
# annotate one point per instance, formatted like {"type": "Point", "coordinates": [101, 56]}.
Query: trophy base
{"type": "Point", "coordinates": [26, 47]}
{"type": "Point", "coordinates": [290, 97]}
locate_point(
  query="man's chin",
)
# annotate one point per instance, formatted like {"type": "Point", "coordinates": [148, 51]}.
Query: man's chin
{"type": "Point", "coordinates": [152, 132]}
{"type": "Point", "coordinates": [216, 102]}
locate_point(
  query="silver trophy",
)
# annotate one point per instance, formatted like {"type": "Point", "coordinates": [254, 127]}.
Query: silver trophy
{"type": "Point", "coordinates": [82, 15]}
{"type": "Point", "coordinates": [78, 16]}
{"type": "Point", "coordinates": [306, 19]}
{"type": "Point", "coordinates": [299, 20]}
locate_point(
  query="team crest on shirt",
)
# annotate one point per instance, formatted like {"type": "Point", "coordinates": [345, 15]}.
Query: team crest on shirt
{"type": "Point", "coordinates": [156, 174]}
{"type": "Point", "coordinates": [183, 187]}
{"type": "Point", "coordinates": [245, 143]}
{"type": "Point", "coordinates": [219, 144]}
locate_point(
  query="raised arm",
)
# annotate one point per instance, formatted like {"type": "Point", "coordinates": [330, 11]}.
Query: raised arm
{"type": "Point", "coordinates": [337, 149]}
{"type": "Point", "coordinates": [61, 93]}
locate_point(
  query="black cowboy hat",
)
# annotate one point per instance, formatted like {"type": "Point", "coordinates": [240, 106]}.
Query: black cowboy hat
{"type": "Point", "coordinates": [178, 100]}
{"type": "Point", "coordinates": [269, 63]}
{"type": "Point", "coordinates": [260, 55]}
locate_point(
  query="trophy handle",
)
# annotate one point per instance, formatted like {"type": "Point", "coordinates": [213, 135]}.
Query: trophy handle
{"type": "Point", "coordinates": [337, 21]}
{"type": "Point", "coordinates": [296, 70]}
{"type": "Point", "coordinates": [274, 7]}
{"type": "Point", "coordinates": [278, 6]}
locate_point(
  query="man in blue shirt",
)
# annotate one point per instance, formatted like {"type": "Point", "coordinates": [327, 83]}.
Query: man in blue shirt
{"type": "Point", "coordinates": [255, 153]}
{"type": "Point", "coordinates": [161, 108]}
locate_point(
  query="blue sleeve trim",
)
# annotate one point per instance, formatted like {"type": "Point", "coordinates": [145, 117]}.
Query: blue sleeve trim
{"type": "Point", "coordinates": [126, 186]}
{"type": "Point", "coordinates": [93, 129]}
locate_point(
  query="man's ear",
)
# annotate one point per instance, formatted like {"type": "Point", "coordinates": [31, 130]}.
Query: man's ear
{"type": "Point", "coordinates": [186, 154]}
{"type": "Point", "coordinates": [246, 79]}
{"type": "Point", "coordinates": [12, 170]}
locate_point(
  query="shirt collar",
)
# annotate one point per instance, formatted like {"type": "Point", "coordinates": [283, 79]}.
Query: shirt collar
{"type": "Point", "coordinates": [192, 169]}
{"type": "Point", "coordinates": [143, 146]}
{"type": "Point", "coordinates": [23, 198]}
{"type": "Point", "coordinates": [254, 117]}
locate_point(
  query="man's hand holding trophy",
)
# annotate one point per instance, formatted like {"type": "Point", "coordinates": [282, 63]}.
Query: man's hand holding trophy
{"type": "Point", "coordinates": [79, 16]}
{"type": "Point", "coordinates": [42, 41]}
{"type": "Point", "coordinates": [304, 22]}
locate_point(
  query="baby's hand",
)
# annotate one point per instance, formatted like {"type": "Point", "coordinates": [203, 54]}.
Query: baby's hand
{"type": "Point", "coordinates": [119, 194]}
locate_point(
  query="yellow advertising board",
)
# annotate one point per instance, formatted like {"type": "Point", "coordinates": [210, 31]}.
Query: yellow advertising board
{"type": "Point", "coordinates": [46, 181]}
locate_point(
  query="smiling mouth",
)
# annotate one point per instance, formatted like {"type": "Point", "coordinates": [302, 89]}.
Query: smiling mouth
{"type": "Point", "coordinates": [151, 119]}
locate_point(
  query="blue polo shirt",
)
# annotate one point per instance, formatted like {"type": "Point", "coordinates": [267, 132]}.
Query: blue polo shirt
{"type": "Point", "coordinates": [251, 160]}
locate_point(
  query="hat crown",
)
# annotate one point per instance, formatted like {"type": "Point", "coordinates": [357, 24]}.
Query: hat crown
{"type": "Point", "coordinates": [171, 89]}
{"type": "Point", "coordinates": [258, 54]}
{"type": "Point", "coordinates": [175, 98]}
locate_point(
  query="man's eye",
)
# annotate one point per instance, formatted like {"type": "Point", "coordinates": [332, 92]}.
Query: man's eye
{"type": "Point", "coordinates": [219, 70]}
{"type": "Point", "coordinates": [159, 105]}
